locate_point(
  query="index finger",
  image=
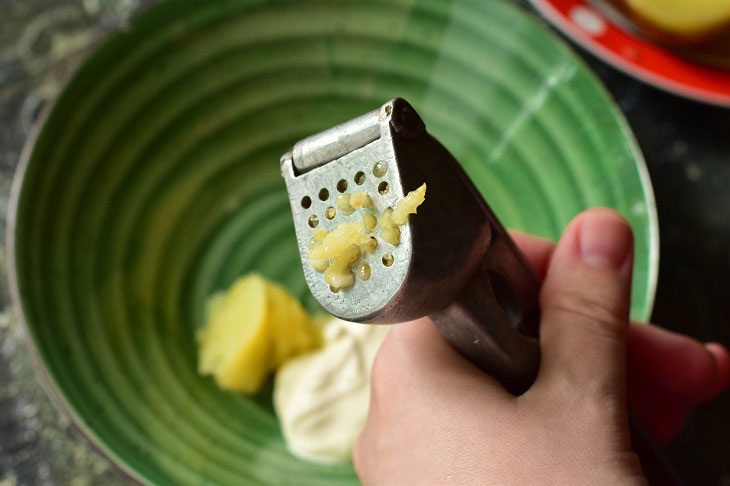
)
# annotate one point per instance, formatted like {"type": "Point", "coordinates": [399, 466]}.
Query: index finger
{"type": "Point", "coordinates": [538, 251]}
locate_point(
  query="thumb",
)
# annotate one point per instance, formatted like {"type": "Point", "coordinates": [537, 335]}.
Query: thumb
{"type": "Point", "coordinates": [585, 303]}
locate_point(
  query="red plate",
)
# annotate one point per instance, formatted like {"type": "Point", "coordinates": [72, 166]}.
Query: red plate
{"type": "Point", "coordinates": [636, 56]}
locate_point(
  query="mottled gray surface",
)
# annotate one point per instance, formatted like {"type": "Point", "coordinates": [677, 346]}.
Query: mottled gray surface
{"type": "Point", "coordinates": [41, 41]}
{"type": "Point", "coordinates": [686, 144]}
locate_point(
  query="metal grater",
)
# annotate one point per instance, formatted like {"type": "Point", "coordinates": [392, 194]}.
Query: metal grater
{"type": "Point", "coordinates": [455, 262]}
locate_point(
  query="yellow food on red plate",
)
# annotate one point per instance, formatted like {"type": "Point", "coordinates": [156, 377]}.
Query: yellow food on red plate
{"type": "Point", "coordinates": [684, 18]}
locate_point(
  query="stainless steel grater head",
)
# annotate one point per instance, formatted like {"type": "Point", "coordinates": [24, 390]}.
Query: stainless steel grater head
{"type": "Point", "coordinates": [454, 263]}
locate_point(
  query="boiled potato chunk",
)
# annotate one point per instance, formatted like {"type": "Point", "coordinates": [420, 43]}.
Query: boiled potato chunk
{"type": "Point", "coordinates": [293, 331]}
{"type": "Point", "coordinates": [250, 331]}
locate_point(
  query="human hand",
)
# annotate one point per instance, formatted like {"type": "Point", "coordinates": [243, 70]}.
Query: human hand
{"type": "Point", "coordinates": [435, 418]}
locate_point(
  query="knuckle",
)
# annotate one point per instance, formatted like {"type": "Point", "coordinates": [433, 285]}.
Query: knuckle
{"type": "Point", "coordinates": [593, 313]}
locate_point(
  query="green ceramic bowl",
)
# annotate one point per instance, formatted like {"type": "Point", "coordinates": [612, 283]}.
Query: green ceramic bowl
{"type": "Point", "coordinates": [154, 182]}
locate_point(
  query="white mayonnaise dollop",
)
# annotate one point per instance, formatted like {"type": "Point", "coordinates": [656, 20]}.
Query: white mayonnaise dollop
{"type": "Point", "coordinates": [322, 397]}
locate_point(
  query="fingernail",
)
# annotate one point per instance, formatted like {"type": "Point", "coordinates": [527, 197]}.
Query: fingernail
{"type": "Point", "coordinates": [605, 239]}
{"type": "Point", "coordinates": [722, 367]}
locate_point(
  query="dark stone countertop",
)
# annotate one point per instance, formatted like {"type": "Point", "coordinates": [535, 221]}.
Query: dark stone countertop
{"type": "Point", "coordinates": [686, 146]}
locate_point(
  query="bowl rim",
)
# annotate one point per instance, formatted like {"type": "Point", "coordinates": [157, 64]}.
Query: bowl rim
{"type": "Point", "coordinates": [660, 79]}
{"type": "Point", "coordinates": [49, 384]}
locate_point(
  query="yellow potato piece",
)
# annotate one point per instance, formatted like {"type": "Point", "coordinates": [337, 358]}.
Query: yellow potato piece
{"type": "Point", "coordinates": [391, 232]}
{"type": "Point", "coordinates": [408, 205]}
{"type": "Point", "coordinates": [368, 243]}
{"type": "Point", "coordinates": [335, 252]}
{"type": "Point", "coordinates": [391, 235]}
{"type": "Point", "coordinates": [369, 221]}
{"type": "Point", "coordinates": [360, 200]}
{"type": "Point", "coordinates": [339, 274]}
{"type": "Point", "coordinates": [319, 234]}
{"type": "Point", "coordinates": [386, 219]}
{"type": "Point", "coordinates": [688, 17]}
{"type": "Point", "coordinates": [293, 331]}
{"type": "Point", "coordinates": [250, 331]}
{"type": "Point", "coordinates": [337, 241]}
{"type": "Point", "coordinates": [343, 202]}
{"type": "Point", "coordinates": [319, 265]}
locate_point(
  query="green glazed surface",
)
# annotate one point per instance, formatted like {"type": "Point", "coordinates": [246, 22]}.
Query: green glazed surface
{"type": "Point", "coordinates": [155, 182]}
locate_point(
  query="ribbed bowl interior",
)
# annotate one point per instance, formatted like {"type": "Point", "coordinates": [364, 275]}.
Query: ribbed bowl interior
{"type": "Point", "coordinates": [154, 182]}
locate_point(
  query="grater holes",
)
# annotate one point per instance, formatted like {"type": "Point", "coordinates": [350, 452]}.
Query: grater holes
{"type": "Point", "coordinates": [383, 188]}
{"type": "Point", "coordinates": [342, 185]}
{"type": "Point", "coordinates": [364, 271]}
{"type": "Point", "coordinates": [324, 194]}
{"type": "Point", "coordinates": [330, 213]}
{"type": "Point", "coordinates": [313, 221]}
{"type": "Point", "coordinates": [306, 202]}
{"type": "Point", "coordinates": [360, 178]}
{"type": "Point", "coordinates": [380, 168]}
{"type": "Point", "coordinates": [388, 259]}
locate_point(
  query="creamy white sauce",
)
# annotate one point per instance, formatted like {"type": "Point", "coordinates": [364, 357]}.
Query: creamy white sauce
{"type": "Point", "coordinates": [322, 397]}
